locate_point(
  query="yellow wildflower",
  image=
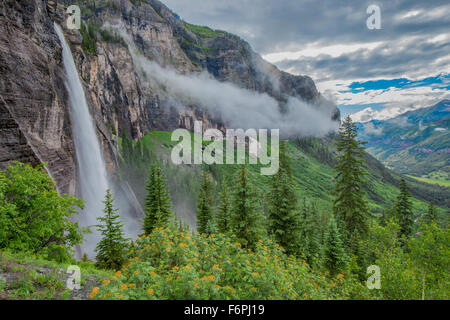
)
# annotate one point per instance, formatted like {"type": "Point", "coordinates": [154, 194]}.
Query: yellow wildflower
{"type": "Point", "coordinates": [106, 282]}
{"type": "Point", "coordinates": [94, 292]}
{"type": "Point", "coordinates": [150, 291]}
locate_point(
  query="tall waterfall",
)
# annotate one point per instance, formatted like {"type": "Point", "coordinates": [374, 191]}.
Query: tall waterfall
{"type": "Point", "coordinates": [91, 166]}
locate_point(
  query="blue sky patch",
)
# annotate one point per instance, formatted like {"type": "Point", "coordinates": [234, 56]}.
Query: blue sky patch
{"type": "Point", "coordinates": [441, 81]}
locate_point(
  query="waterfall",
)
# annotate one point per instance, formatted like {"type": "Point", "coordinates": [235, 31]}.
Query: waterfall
{"type": "Point", "coordinates": [91, 166]}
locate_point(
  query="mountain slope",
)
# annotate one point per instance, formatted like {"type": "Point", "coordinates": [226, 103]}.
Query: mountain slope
{"type": "Point", "coordinates": [417, 142]}
{"type": "Point", "coordinates": [312, 166]}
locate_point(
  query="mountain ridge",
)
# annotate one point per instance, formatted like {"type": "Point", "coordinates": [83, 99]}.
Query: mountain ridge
{"type": "Point", "coordinates": [416, 142]}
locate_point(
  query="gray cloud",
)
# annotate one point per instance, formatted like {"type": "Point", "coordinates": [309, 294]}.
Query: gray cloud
{"type": "Point", "coordinates": [417, 57]}
{"type": "Point", "coordinates": [290, 25]}
{"type": "Point", "coordinates": [278, 25]}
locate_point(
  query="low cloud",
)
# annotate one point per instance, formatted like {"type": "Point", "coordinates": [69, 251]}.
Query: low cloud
{"type": "Point", "coordinates": [369, 114]}
{"type": "Point", "coordinates": [370, 129]}
{"type": "Point", "coordinates": [240, 108]}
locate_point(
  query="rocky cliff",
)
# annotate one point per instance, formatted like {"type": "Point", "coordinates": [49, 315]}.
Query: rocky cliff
{"type": "Point", "coordinates": [34, 116]}
{"type": "Point", "coordinates": [34, 111]}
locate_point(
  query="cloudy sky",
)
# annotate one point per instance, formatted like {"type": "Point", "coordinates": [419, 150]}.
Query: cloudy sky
{"type": "Point", "coordinates": [374, 73]}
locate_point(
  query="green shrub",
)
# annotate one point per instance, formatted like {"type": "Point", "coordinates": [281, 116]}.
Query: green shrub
{"type": "Point", "coordinates": [33, 216]}
{"type": "Point", "coordinates": [201, 31]}
{"type": "Point", "coordinates": [112, 37]}
{"type": "Point", "coordinates": [174, 264]}
{"type": "Point", "coordinates": [88, 33]}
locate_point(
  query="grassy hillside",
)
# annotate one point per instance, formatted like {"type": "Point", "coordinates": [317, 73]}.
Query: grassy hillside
{"type": "Point", "coordinates": [312, 165]}
{"type": "Point", "coordinates": [441, 182]}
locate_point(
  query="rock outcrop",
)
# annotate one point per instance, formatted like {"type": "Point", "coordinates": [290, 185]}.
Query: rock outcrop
{"type": "Point", "coordinates": [34, 116]}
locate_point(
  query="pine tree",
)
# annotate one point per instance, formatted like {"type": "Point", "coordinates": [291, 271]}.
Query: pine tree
{"type": "Point", "coordinates": [205, 215]}
{"type": "Point", "coordinates": [349, 205]}
{"type": "Point", "coordinates": [150, 203]}
{"type": "Point", "coordinates": [157, 202]}
{"type": "Point", "coordinates": [430, 216]}
{"type": "Point", "coordinates": [335, 257]}
{"type": "Point", "coordinates": [403, 209]}
{"type": "Point", "coordinates": [111, 248]}
{"type": "Point", "coordinates": [223, 210]}
{"type": "Point", "coordinates": [283, 208]}
{"type": "Point", "coordinates": [309, 234]}
{"type": "Point", "coordinates": [247, 222]}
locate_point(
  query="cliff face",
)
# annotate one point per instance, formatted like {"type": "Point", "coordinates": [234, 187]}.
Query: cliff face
{"type": "Point", "coordinates": [34, 111]}
{"type": "Point", "coordinates": [34, 119]}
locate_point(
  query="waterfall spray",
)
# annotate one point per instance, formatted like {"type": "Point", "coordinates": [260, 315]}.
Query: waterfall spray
{"type": "Point", "coordinates": [91, 166]}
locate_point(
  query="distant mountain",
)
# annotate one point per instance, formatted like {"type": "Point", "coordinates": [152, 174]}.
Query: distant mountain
{"type": "Point", "coordinates": [416, 142]}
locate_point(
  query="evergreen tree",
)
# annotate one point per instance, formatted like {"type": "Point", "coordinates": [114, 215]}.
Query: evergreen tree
{"type": "Point", "coordinates": [310, 234]}
{"type": "Point", "coordinates": [430, 216]}
{"type": "Point", "coordinates": [111, 248]}
{"type": "Point", "coordinates": [350, 206]}
{"type": "Point", "coordinates": [247, 222]}
{"type": "Point", "coordinates": [403, 209]}
{"type": "Point", "coordinates": [223, 210]}
{"type": "Point", "coordinates": [283, 208]}
{"type": "Point", "coordinates": [335, 257]}
{"type": "Point", "coordinates": [205, 216]}
{"type": "Point", "coordinates": [150, 203]}
{"type": "Point", "coordinates": [157, 202]}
